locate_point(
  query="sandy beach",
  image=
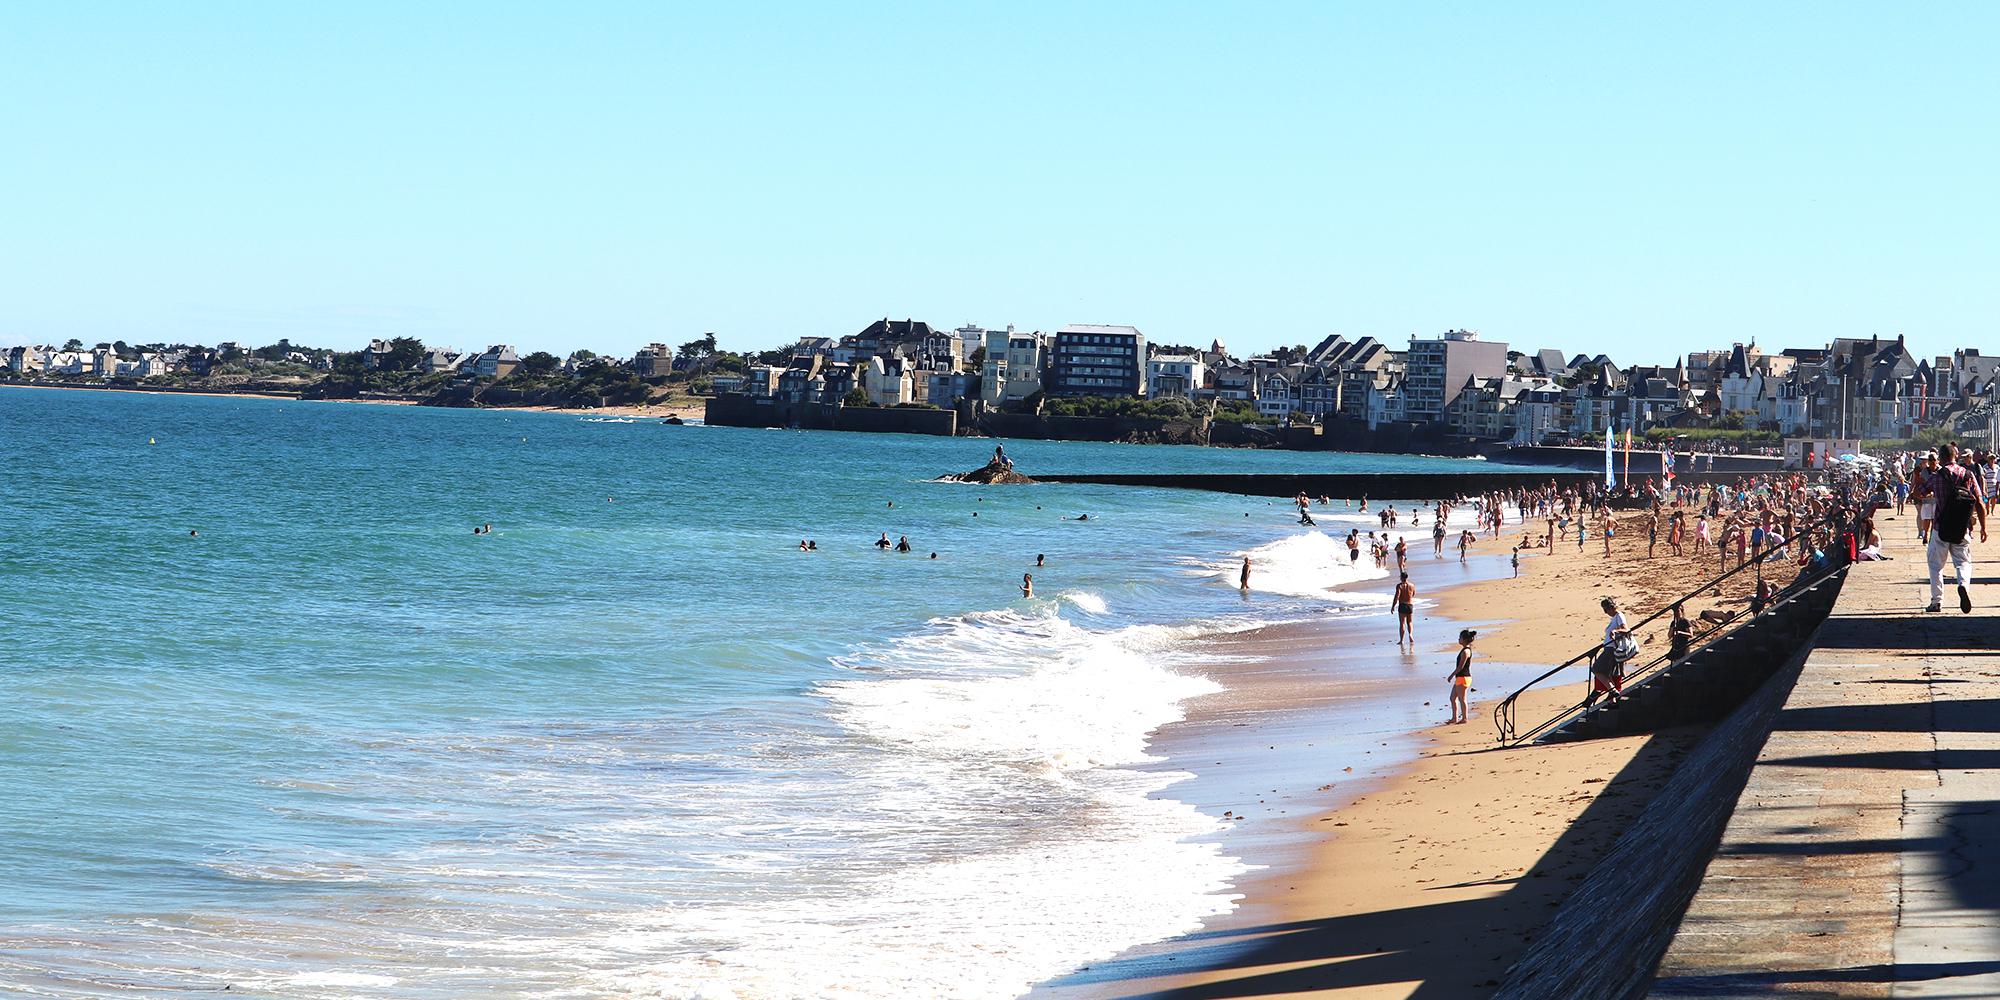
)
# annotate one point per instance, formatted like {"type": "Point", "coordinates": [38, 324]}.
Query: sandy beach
{"type": "Point", "coordinates": [1427, 879]}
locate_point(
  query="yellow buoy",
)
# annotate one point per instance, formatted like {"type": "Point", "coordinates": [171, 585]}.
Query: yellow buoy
{"type": "Point", "coordinates": [151, 441]}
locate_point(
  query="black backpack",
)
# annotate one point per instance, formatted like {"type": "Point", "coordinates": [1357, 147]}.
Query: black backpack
{"type": "Point", "coordinates": [1954, 504]}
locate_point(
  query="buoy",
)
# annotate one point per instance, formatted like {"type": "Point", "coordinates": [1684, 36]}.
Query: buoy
{"type": "Point", "coordinates": [151, 441]}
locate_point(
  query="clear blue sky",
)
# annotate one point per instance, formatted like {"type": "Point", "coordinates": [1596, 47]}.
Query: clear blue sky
{"type": "Point", "coordinates": [1642, 182]}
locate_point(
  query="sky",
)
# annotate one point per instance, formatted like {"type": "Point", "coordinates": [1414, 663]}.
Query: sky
{"type": "Point", "coordinates": [1641, 180]}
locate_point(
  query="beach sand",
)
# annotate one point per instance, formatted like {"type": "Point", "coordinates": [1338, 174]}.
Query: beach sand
{"type": "Point", "coordinates": [1430, 879]}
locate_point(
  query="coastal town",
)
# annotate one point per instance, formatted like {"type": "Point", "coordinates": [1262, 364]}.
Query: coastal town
{"type": "Point", "coordinates": [1455, 386]}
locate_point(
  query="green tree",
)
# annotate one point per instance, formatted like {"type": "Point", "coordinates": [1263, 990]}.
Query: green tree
{"type": "Point", "coordinates": [856, 396]}
{"type": "Point", "coordinates": [539, 363]}
{"type": "Point", "coordinates": [72, 344]}
{"type": "Point", "coordinates": [405, 354]}
{"type": "Point", "coordinates": [696, 355]}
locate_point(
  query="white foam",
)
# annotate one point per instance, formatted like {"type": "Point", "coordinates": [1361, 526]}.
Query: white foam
{"type": "Point", "coordinates": [1090, 702]}
{"type": "Point", "coordinates": [1309, 564]}
{"type": "Point", "coordinates": [1084, 599]}
{"type": "Point", "coordinates": [1054, 704]}
{"type": "Point", "coordinates": [338, 979]}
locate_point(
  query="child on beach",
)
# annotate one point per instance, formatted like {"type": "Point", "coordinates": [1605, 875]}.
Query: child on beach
{"type": "Point", "coordinates": [1461, 677]}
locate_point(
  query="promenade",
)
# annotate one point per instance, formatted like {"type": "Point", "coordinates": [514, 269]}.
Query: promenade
{"type": "Point", "coordinates": [1863, 856]}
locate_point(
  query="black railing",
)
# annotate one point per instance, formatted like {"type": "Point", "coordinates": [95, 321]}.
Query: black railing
{"type": "Point", "coordinates": [1504, 713]}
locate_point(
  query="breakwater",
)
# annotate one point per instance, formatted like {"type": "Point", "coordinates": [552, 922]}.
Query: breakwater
{"type": "Point", "coordinates": [1350, 486]}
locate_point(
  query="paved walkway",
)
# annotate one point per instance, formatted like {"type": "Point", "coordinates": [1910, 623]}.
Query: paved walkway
{"type": "Point", "coordinates": [1863, 857]}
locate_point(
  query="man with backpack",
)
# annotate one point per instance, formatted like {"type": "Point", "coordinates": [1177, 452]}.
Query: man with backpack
{"type": "Point", "coordinates": [1960, 499]}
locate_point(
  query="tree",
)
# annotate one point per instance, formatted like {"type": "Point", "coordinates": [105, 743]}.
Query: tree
{"type": "Point", "coordinates": [73, 345]}
{"type": "Point", "coordinates": [696, 354]}
{"type": "Point", "coordinates": [856, 396]}
{"type": "Point", "coordinates": [581, 356]}
{"type": "Point", "coordinates": [405, 354]}
{"type": "Point", "coordinates": [539, 363]}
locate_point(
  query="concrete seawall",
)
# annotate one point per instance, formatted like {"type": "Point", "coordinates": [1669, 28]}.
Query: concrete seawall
{"type": "Point", "coordinates": [1609, 934]}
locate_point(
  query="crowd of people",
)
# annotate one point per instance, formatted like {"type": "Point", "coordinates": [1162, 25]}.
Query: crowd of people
{"type": "Point", "coordinates": [1802, 524]}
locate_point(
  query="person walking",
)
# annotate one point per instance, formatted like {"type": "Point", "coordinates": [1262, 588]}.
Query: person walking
{"type": "Point", "coordinates": [1958, 500]}
{"type": "Point", "coordinates": [1405, 603]}
{"type": "Point", "coordinates": [1607, 669]}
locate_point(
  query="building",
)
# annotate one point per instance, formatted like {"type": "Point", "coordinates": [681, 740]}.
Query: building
{"type": "Point", "coordinates": [1097, 360]}
{"type": "Point", "coordinates": [888, 381]}
{"type": "Point", "coordinates": [654, 361]}
{"type": "Point", "coordinates": [498, 361]}
{"type": "Point", "coordinates": [1175, 375]}
{"type": "Point", "coordinates": [1436, 371]}
{"type": "Point", "coordinates": [945, 389]}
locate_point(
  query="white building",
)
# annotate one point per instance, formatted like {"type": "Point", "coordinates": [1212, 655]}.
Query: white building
{"type": "Point", "coordinates": [888, 381]}
{"type": "Point", "coordinates": [1013, 367]}
{"type": "Point", "coordinates": [1176, 375]}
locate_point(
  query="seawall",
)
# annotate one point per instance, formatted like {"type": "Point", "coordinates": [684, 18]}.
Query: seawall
{"type": "Point", "coordinates": [1609, 934]}
{"type": "Point", "coordinates": [745, 411]}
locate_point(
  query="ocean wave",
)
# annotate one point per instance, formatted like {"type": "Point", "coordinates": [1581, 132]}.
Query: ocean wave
{"type": "Point", "coordinates": [1310, 564]}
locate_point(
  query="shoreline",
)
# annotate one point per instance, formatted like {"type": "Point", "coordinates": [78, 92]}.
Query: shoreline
{"type": "Point", "coordinates": [658, 412]}
{"type": "Point", "coordinates": [1435, 867]}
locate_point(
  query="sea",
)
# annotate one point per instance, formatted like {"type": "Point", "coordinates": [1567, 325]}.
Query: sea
{"type": "Point", "coordinates": [275, 720]}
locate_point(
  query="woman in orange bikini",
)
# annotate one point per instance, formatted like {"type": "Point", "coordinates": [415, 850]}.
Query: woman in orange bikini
{"type": "Point", "coordinates": [1461, 677]}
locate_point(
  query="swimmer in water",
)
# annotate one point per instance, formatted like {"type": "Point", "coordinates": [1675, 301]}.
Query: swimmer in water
{"type": "Point", "coordinates": [1039, 560]}
{"type": "Point", "coordinates": [1244, 583]}
{"type": "Point", "coordinates": [1027, 585]}
{"type": "Point", "coordinates": [902, 543]}
{"type": "Point", "coordinates": [883, 542]}
{"type": "Point", "coordinates": [194, 534]}
{"type": "Point", "coordinates": [933, 555]}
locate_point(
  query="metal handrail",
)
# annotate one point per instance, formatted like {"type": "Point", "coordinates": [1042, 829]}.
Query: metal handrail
{"type": "Point", "coordinates": [1503, 713]}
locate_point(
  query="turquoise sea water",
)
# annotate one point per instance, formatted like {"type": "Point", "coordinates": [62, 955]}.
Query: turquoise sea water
{"type": "Point", "coordinates": [634, 743]}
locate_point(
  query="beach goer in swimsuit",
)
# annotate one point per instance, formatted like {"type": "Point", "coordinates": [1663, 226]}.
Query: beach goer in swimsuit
{"type": "Point", "coordinates": [902, 543]}
{"type": "Point", "coordinates": [1461, 677]}
{"type": "Point", "coordinates": [1437, 537]}
{"type": "Point", "coordinates": [1027, 585]}
{"type": "Point", "coordinates": [1405, 603]}
{"type": "Point", "coordinates": [1244, 582]}
{"type": "Point", "coordinates": [884, 543]}
{"type": "Point", "coordinates": [1353, 546]}
{"type": "Point", "coordinates": [1040, 559]}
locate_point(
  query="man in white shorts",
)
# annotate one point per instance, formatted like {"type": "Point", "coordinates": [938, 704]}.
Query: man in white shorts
{"type": "Point", "coordinates": [1960, 501]}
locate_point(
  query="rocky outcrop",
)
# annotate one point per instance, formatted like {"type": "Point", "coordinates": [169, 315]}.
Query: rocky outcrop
{"type": "Point", "coordinates": [992, 473]}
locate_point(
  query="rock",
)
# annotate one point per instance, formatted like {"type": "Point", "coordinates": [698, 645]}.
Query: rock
{"type": "Point", "coordinates": [992, 473]}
